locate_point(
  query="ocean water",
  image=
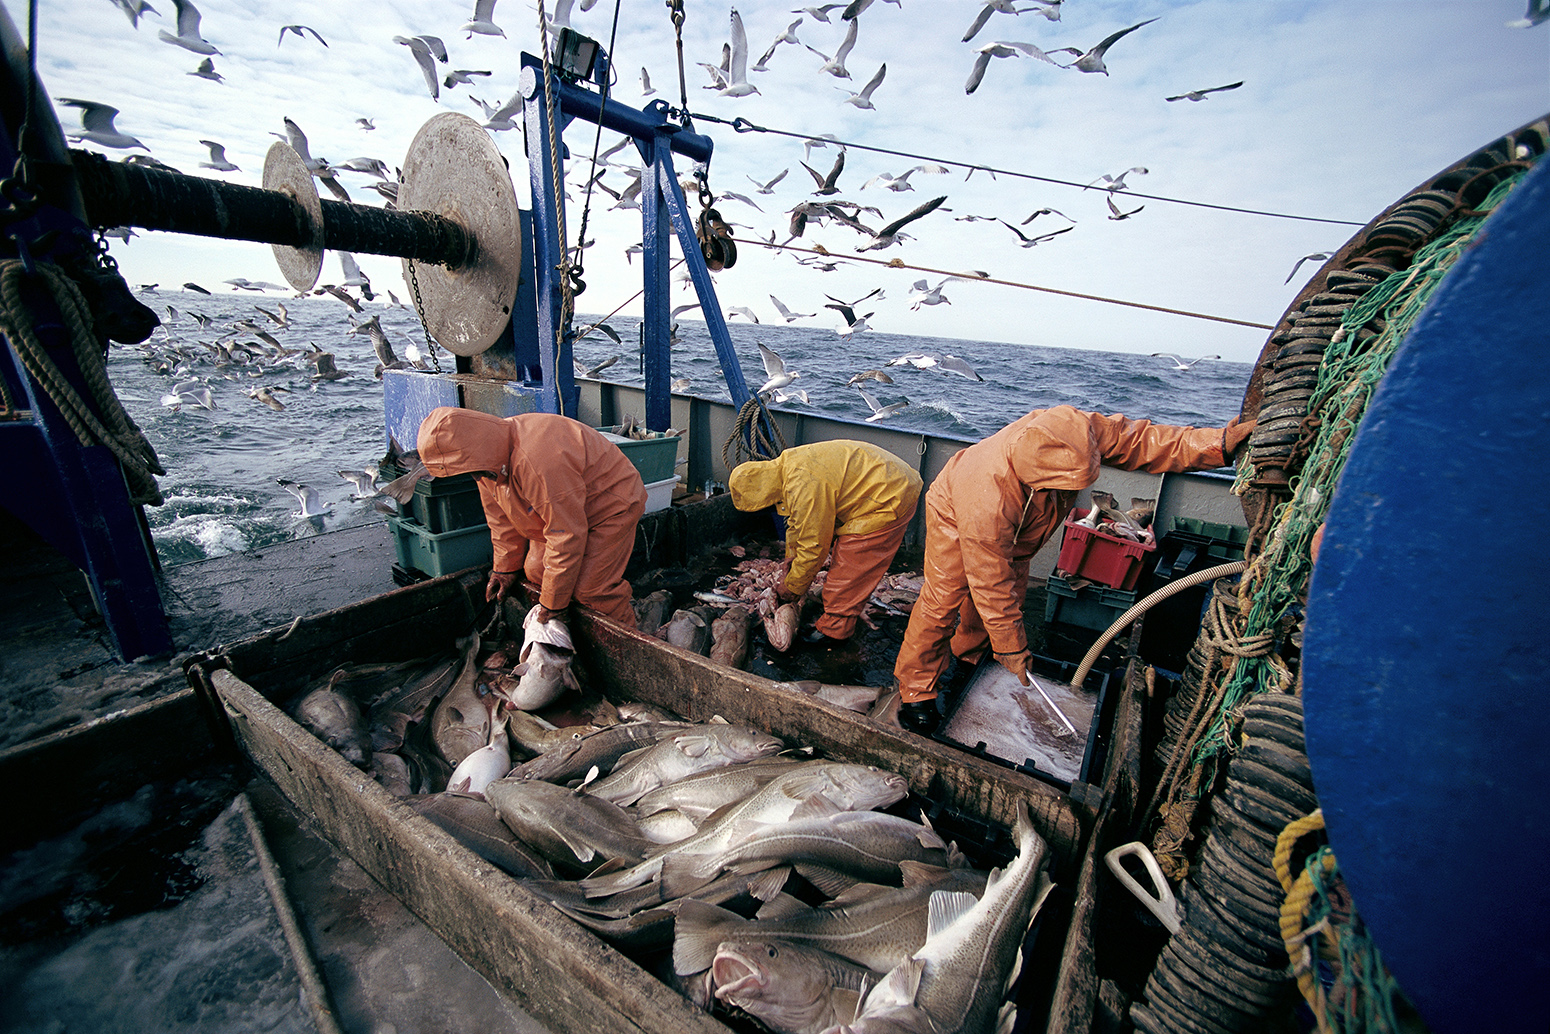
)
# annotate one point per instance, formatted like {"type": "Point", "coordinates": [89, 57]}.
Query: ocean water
{"type": "Point", "coordinates": [222, 464]}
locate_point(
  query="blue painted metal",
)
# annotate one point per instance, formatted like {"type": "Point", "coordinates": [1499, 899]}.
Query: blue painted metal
{"type": "Point", "coordinates": [662, 208]}
{"type": "Point", "coordinates": [1424, 663]}
{"type": "Point", "coordinates": [408, 396]}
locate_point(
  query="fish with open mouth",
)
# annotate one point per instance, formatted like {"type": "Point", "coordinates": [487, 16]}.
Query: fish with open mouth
{"type": "Point", "coordinates": [790, 988]}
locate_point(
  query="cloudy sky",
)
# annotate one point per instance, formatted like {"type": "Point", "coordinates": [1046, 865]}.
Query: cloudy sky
{"type": "Point", "coordinates": [1345, 106]}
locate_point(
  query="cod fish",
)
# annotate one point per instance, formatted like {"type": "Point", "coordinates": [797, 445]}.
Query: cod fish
{"type": "Point", "coordinates": [574, 757]}
{"type": "Point", "coordinates": [651, 613]}
{"type": "Point", "coordinates": [865, 846]}
{"type": "Point", "coordinates": [729, 637]}
{"type": "Point", "coordinates": [687, 630]}
{"type": "Point", "coordinates": [569, 828]}
{"type": "Point", "coordinates": [694, 749]}
{"type": "Point", "coordinates": [667, 827]}
{"type": "Point", "coordinates": [642, 920]}
{"type": "Point", "coordinates": [474, 824]}
{"type": "Point", "coordinates": [790, 988]}
{"type": "Point", "coordinates": [872, 926]}
{"type": "Point", "coordinates": [699, 796]}
{"type": "Point", "coordinates": [852, 698]}
{"type": "Point", "coordinates": [461, 722]}
{"type": "Point", "coordinates": [812, 788]}
{"type": "Point", "coordinates": [959, 979]}
{"type": "Point", "coordinates": [543, 670]}
{"type": "Point", "coordinates": [780, 623]}
{"type": "Point", "coordinates": [392, 772]}
{"type": "Point", "coordinates": [536, 736]}
{"type": "Point", "coordinates": [485, 765]}
{"type": "Point", "coordinates": [336, 719]}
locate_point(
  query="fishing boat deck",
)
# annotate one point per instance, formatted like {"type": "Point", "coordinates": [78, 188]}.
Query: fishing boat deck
{"type": "Point", "coordinates": [382, 967]}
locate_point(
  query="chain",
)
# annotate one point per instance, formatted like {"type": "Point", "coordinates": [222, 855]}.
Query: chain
{"type": "Point", "coordinates": [567, 299]}
{"type": "Point", "coordinates": [419, 310]}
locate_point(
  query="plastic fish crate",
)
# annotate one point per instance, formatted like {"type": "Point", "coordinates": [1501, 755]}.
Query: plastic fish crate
{"type": "Point", "coordinates": [1227, 540]}
{"type": "Point", "coordinates": [1092, 606]}
{"type": "Point", "coordinates": [1105, 559]}
{"type": "Point", "coordinates": [659, 494]}
{"type": "Point", "coordinates": [447, 504]}
{"type": "Point", "coordinates": [654, 457]}
{"type": "Point", "coordinates": [420, 549]}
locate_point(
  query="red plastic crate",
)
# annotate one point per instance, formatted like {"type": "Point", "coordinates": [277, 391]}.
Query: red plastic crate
{"type": "Point", "coordinates": [1085, 553]}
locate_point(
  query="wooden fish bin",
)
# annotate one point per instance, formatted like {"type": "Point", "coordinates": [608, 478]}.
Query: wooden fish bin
{"type": "Point", "coordinates": [560, 972]}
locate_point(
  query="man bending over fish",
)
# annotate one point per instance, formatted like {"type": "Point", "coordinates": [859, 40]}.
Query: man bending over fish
{"type": "Point", "coordinates": [847, 500]}
{"type": "Point", "coordinates": [561, 500]}
{"type": "Point", "coordinates": [992, 507]}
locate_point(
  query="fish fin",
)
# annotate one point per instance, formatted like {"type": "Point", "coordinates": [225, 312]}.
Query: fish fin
{"type": "Point", "coordinates": [945, 907]}
{"type": "Point", "coordinates": [697, 933]}
{"type": "Point", "coordinates": [1040, 892]}
{"type": "Point", "coordinates": [766, 885]}
{"type": "Point", "coordinates": [755, 865]}
{"type": "Point", "coordinates": [782, 906]}
{"type": "Point", "coordinates": [928, 839]}
{"type": "Point", "coordinates": [899, 987]}
{"type": "Point", "coordinates": [956, 859]}
{"type": "Point", "coordinates": [591, 777]}
{"type": "Point", "coordinates": [462, 785]}
{"type": "Point", "coordinates": [568, 677]}
{"type": "Point", "coordinates": [1007, 1018]}
{"type": "Point", "coordinates": [693, 744]}
{"type": "Point", "coordinates": [520, 669]}
{"type": "Point", "coordinates": [917, 873]}
{"type": "Point", "coordinates": [716, 719]}
{"type": "Point", "coordinates": [1017, 971]}
{"type": "Point", "coordinates": [611, 866]}
{"type": "Point", "coordinates": [832, 882]}
{"type": "Point", "coordinates": [630, 757]}
{"type": "Point", "coordinates": [682, 875]}
{"type": "Point", "coordinates": [857, 893]}
{"type": "Point", "coordinates": [815, 807]}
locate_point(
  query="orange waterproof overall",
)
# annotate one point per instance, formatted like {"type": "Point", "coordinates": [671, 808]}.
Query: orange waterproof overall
{"type": "Point", "coordinates": [996, 503]}
{"type": "Point", "coordinates": [847, 500]}
{"type": "Point", "coordinates": [562, 507]}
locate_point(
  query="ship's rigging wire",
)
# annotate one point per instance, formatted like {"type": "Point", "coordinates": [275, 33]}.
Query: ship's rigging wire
{"type": "Point", "coordinates": [567, 301]}
{"type": "Point", "coordinates": [742, 125]}
{"type": "Point", "coordinates": [976, 278]}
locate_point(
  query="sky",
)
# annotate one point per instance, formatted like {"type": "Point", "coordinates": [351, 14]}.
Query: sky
{"type": "Point", "coordinates": [1345, 106]}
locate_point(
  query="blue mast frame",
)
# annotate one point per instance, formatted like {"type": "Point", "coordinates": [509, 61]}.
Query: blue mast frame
{"type": "Point", "coordinates": [663, 211]}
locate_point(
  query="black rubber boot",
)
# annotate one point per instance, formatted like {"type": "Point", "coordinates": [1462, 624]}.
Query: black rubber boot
{"type": "Point", "coordinates": [920, 716]}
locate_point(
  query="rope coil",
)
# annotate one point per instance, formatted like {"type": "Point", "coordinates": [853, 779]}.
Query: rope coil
{"type": "Point", "coordinates": [748, 440]}
{"type": "Point", "coordinates": [99, 420]}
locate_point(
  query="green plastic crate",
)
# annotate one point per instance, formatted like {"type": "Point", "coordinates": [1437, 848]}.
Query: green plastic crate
{"type": "Point", "coordinates": [447, 504]}
{"type": "Point", "coordinates": [1228, 540]}
{"type": "Point", "coordinates": [654, 457]}
{"type": "Point", "coordinates": [432, 553]}
{"type": "Point", "coordinates": [1093, 606]}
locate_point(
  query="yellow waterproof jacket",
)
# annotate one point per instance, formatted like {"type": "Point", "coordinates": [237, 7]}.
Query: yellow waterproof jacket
{"type": "Point", "coordinates": [1006, 495]}
{"type": "Point", "coordinates": [823, 490]}
{"type": "Point", "coordinates": [555, 479]}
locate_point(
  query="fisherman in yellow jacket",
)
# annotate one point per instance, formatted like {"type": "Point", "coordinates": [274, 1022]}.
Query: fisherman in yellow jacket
{"type": "Point", "coordinates": [846, 500]}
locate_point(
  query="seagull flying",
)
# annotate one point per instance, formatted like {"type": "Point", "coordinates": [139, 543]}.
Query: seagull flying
{"type": "Point", "coordinates": [931, 295]}
{"type": "Point", "coordinates": [826, 184]}
{"type": "Point", "coordinates": [307, 497]}
{"type": "Point", "coordinates": [835, 65]}
{"type": "Point", "coordinates": [646, 89]}
{"type": "Point", "coordinates": [891, 234]}
{"type": "Point", "coordinates": [901, 182]}
{"type": "Point", "coordinates": [769, 187]}
{"type": "Point", "coordinates": [301, 33]}
{"type": "Point", "coordinates": [217, 160]}
{"type": "Point", "coordinates": [992, 7]}
{"type": "Point", "coordinates": [788, 36]}
{"type": "Point", "coordinates": [366, 124]}
{"type": "Point", "coordinates": [1001, 48]}
{"type": "Point", "coordinates": [1092, 61]}
{"type": "Point", "coordinates": [864, 98]}
{"type": "Point", "coordinates": [1317, 256]}
{"type": "Point", "coordinates": [775, 370]}
{"type": "Point", "coordinates": [1538, 11]}
{"type": "Point", "coordinates": [134, 9]}
{"type": "Point", "coordinates": [1200, 95]}
{"type": "Point", "coordinates": [1180, 364]}
{"type": "Point", "coordinates": [188, 30]}
{"type": "Point", "coordinates": [426, 60]}
{"type": "Point", "coordinates": [97, 125]}
{"type": "Point", "coordinates": [820, 13]}
{"type": "Point", "coordinates": [484, 10]}
{"type": "Point", "coordinates": [786, 313]}
{"type": "Point", "coordinates": [1029, 242]}
{"type": "Point", "coordinates": [737, 72]}
{"type": "Point", "coordinates": [365, 482]}
{"type": "Point", "coordinates": [1114, 211]}
{"type": "Point", "coordinates": [932, 361]}
{"type": "Point", "coordinates": [317, 166]}
{"type": "Point", "coordinates": [879, 411]}
{"type": "Point", "coordinates": [869, 375]}
{"type": "Point", "coordinates": [1047, 211]}
{"type": "Point", "coordinates": [1116, 182]}
{"type": "Point", "coordinates": [206, 70]}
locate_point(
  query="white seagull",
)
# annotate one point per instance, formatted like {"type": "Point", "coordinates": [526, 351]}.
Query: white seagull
{"type": "Point", "coordinates": [1115, 213]}
{"type": "Point", "coordinates": [1317, 256]}
{"type": "Point", "coordinates": [932, 361]}
{"type": "Point", "coordinates": [1179, 363]}
{"type": "Point", "coordinates": [1116, 182]}
{"type": "Point", "coordinates": [931, 295]}
{"type": "Point", "coordinates": [206, 70]}
{"type": "Point", "coordinates": [97, 125]}
{"type": "Point", "coordinates": [789, 36]}
{"type": "Point", "coordinates": [891, 234]}
{"type": "Point", "coordinates": [134, 9]}
{"type": "Point", "coordinates": [820, 13]}
{"type": "Point", "coordinates": [188, 30]}
{"type": "Point", "coordinates": [1001, 48]}
{"type": "Point", "coordinates": [737, 72]}
{"type": "Point", "coordinates": [747, 313]}
{"type": "Point", "coordinates": [646, 89]}
{"type": "Point", "coordinates": [835, 65]}
{"type": "Point", "coordinates": [217, 160]}
{"type": "Point", "coordinates": [307, 497]}
{"type": "Point", "coordinates": [864, 98]}
{"type": "Point", "coordinates": [317, 166]}
{"type": "Point", "coordinates": [426, 60]}
{"type": "Point", "coordinates": [1092, 61]}
{"type": "Point", "coordinates": [481, 23]}
{"type": "Point", "coordinates": [301, 33]}
{"type": "Point", "coordinates": [786, 313]}
{"type": "Point", "coordinates": [1200, 95]}
{"type": "Point", "coordinates": [775, 370]}
{"type": "Point", "coordinates": [1029, 242]}
{"type": "Point", "coordinates": [992, 7]}
{"type": "Point", "coordinates": [880, 411]}
{"type": "Point", "coordinates": [365, 482]}
{"type": "Point", "coordinates": [769, 187]}
{"type": "Point", "coordinates": [901, 182]}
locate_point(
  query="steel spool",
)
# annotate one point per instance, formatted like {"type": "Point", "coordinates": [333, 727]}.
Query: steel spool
{"type": "Point", "coordinates": [285, 173]}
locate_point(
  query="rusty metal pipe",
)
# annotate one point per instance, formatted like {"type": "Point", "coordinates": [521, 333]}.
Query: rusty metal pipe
{"type": "Point", "coordinates": [116, 194]}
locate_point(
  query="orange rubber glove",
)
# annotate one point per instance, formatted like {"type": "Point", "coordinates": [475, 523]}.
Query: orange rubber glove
{"type": "Point", "coordinates": [500, 584]}
{"type": "Point", "coordinates": [1017, 664]}
{"type": "Point", "coordinates": [1235, 434]}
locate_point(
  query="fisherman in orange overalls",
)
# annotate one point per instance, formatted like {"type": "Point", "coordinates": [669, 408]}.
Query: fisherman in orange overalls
{"type": "Point", "coordinates": [992, 507]}
{"type": "Point", "coordinates": [561, 500]}
{"type": "Point", "coordinates": [849, 501]}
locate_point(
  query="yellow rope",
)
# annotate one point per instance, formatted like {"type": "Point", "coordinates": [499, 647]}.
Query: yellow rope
{"type": "Point", "coordinates": [1294, 831]}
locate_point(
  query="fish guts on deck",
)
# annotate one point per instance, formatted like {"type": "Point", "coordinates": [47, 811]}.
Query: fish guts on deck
{"type": "Point", "coordinates": [849, 499]}
{"type": "Point", "coordinates": [994, 505]}
{"type": "Point", "coordinates": [561, 500]}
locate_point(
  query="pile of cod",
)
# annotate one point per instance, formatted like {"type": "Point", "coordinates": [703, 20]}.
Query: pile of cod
{"type": "Point", "coordinates": [751, 877]}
